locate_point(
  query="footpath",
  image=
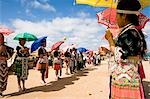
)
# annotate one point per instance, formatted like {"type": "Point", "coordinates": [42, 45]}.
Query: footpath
{"type": "Point", "coordinates": [91, 83]}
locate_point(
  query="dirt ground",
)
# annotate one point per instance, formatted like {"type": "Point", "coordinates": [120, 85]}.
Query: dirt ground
{"type": "Point", "coordinates": [91, 83]}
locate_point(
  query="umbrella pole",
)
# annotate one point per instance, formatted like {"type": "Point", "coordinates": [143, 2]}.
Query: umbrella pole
{"type": "Point", "coordinates": [109, 61]}
{"type": "Point", "coordinates": [109, 55]}
{"type": "Point", "coordinates": [74, 2]}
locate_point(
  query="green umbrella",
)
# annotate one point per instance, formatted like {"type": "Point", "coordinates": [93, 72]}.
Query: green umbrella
{"type": "Point", "coordinates": [27, 36]}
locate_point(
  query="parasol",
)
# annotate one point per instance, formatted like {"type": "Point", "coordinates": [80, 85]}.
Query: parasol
{"type": "Point", "coordinates": [82, 49]}
{"type": "Point", "coordinates": [25, 35]}
{"type": "Point", "coordinates": [36, 44]}
{"type": "Point", "coordinates": [109, 3]}
{"type": "Point", "coordinates": [56, 45]}
{"type": "Point", "coordinates": [109, 19]}
{"type": "Point", "coordinates": [99, 3]}
{"type": "Point", "coordinates": [4, 30]}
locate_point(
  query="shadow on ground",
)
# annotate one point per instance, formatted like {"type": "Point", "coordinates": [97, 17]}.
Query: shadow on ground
{"type": "Point", "coordinates": [146, 85]}
{"type": "Point", "coordinates": [55, 85]}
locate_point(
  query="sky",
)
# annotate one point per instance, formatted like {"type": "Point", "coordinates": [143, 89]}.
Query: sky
{"type": "Point", "coordinates": [56, 19]}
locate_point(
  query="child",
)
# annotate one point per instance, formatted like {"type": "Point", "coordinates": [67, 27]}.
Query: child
{"type": "Point", "coordinates": [57, 63]}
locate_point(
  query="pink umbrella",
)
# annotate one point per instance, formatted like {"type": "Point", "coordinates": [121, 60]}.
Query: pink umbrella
{"type": "Point", "coordinates": [143, 20]}
{"type": "Point", "coordinates": [108, 18]}
{"type": "Point", "coordinates": [56, 45]}
{"type": "Point", "coordinates": [4, 30]}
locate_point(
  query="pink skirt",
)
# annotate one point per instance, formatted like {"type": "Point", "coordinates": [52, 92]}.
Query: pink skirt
{"type": "Point", "coordinates": [126, 92]}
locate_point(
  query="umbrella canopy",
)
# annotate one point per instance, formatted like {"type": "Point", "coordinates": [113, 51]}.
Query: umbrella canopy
{"type": "Point", "coordinates": [108, 3]}
{"type": "Point", "coordinates": [108, 18]}
{"type": "Point", "coordinates": [145, 3]}
{"type": "Point", "coordinates": [27, 36]}
{"type": "Point", "coordinates": [81, 49]}
{"type": "Point", "coordinates": [99, 3]}
{"type": "Point", "coordinates": [36, 44]}
{"type": "Point", "coordinates": [143, 20]}
{"type": "Point", "coordinates": [56, 45]}
{"type": "Point", "coordinates": [4, 30]}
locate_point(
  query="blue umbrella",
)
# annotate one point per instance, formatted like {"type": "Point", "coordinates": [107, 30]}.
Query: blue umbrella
{"type": "Point", "coordinates": [36, 44]}
{"type": "Point", "coordinates": [81, 49]}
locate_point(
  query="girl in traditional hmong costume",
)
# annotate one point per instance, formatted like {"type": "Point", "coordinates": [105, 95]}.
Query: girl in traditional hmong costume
{"type": "Point", "coordinates": [57, 64]}
{"type": "Point", "coordinates": [21, 64]}
{"type": "Point", "coordinates": [67, 60]}
{"type": "Point", "coordinates": [128, 49]}
{"type": "Point", "coordinates": [42, 64]}
{"type": "Point", "coordinates": [4, 55]}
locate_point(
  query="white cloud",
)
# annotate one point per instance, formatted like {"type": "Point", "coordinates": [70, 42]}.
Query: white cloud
{"type": "Point", "coordinates": [29, 13]}
{"type": "Point", "coordinates": [83, 14]}
{"type": "Point", "coordinates": [82, 32]}
{"type": "Point", "coordinates": [44, 6]}
{"type": "Point", "coordinates": [38, 4]}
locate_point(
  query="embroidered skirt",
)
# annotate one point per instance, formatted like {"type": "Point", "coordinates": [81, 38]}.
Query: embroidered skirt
{"type": "Point", "coordinates": [3, 74]}
{"type": "Point", "coordinates": [125, 80]}
{"type": "Point", "coordinates": [21, 67]}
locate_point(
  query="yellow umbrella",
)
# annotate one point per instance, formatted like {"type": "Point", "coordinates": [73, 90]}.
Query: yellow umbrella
{"type": "Point", "coordinates": [108, 3]}
{"type": "Point", "coordinates": [145, 3]}
{"type": "Point", "coordinates": [99, 3]}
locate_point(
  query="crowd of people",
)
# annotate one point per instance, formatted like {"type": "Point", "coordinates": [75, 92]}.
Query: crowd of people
{"type": "Point", "coordinates": [72, 60]}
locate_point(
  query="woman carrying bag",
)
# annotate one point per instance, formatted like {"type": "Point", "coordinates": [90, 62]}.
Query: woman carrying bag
{"type": "Point", "coordinates": [42, 63]}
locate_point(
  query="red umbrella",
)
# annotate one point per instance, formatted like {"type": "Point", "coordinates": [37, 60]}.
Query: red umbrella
{"type": "Point", "coordinates": [56, 45]}
{"type": "Point", "coordinates": [4, 30]}
{"type": "Point", "coordinates": [108, 18]}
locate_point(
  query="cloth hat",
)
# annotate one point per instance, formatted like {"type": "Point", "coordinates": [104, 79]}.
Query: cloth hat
{"type": "Point", "coordinates": [129, 7]}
